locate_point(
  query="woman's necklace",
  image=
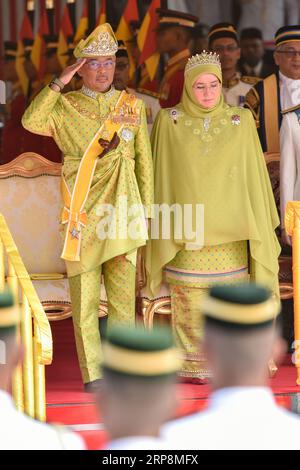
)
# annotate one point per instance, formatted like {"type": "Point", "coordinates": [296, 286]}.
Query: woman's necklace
{"type": "Point", "coordinates": [206, 124]}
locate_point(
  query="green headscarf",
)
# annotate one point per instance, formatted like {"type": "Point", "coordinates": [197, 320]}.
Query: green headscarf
{"type": "Point", "coordinates": [217, 162]}
{"type": "Point", "coordinates": [189, 103]}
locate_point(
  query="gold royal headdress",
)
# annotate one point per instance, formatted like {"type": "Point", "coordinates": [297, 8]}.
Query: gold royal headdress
{"type": "Point", "coordinates": [101, 42]}
{"type": "Point", "coordinates": [205, 58]}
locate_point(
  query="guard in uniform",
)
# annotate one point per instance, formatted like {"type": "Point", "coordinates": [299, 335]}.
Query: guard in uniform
{"type": "Point", "coordinates": [254, 60]}
{"type": "Point", "coordinates": [121, 81]}
{"type": "Point", "coordinates": [141, 78]}
{"type": "Point", "coordinates": [18, 431]}
{"type": "Point", "coordinates": [242, 414]}
{"type": "Point", "coordinates": [224, 41]}
{"type": "Point", "coordinates": [200, 38]}
{"type": "Point", "coordinates": [139, 370]}
{"type": "Point", "coordinates": [174, 34]}
{"type": "Point", "coordinates": [107, 188]}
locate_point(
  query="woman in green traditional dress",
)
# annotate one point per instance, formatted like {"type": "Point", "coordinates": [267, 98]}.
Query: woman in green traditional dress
{"type": "Point", "coordinates": [208, 153]}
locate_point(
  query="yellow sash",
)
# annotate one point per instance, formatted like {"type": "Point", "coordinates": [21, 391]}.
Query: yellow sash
{"type": "Point", "coordinates": [73, 212]}
{"type": "Point", "coordinates": [271, 114]}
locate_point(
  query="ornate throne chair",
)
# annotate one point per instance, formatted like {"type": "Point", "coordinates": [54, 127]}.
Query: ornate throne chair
{"type": "Point", "coordinates": [31, 203]}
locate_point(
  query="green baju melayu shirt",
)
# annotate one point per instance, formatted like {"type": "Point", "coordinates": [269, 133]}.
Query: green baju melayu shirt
{"type": "Point", "coordinates": [122, 179]}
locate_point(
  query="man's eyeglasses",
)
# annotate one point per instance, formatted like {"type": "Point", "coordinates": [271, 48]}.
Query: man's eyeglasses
{"type": "Point", "coordinates": [220, 49]}
{"type": "Point", "coordinates": [95, 64]}
{"type": "Point", "coordinates": [289, 54]}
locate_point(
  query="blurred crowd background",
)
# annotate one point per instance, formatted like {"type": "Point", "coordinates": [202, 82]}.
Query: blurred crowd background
{"type": "Point", "coordinates": [37, 39]}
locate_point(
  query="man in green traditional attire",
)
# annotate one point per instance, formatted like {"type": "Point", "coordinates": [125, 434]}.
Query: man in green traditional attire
{"type": "Point", "coordinates": [208, 153]}
{"type": "Point", "coordinates": [107, 168]}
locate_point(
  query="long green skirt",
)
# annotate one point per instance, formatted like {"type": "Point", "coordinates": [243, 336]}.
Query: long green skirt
{"type": "Point", "coordinates": [190, 274]}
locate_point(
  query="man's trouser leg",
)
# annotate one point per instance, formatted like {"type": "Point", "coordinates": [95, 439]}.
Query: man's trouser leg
{"type": "Point", "coordinates": [119, 280]}
{"type": "Point", "coordinates": [85, 298]}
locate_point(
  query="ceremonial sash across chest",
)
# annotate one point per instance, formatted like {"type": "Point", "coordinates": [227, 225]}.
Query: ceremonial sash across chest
{"type": "Point", "coordinates": [271, 114]}
{"type": "Point", "coordinates": [73, 212]}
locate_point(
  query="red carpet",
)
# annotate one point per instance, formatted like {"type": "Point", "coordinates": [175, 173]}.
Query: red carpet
{"type": "Point", "coordinates": [67, 402]}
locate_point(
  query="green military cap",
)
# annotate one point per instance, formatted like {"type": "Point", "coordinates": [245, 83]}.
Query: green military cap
{"type": "Point", "coordinates": [101, 42]}
{"type": "Point", "coordinates": [9, 312]}
{"type": "Point", "coordinates": [241, 306]}
{"type": "Point", "coordinates": [140, 353]}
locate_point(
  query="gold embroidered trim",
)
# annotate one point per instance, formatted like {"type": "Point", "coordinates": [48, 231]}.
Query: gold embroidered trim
{"type": "Point", "coordinates": [126, 114]}
{"type": "Point", "coordinates": [196, 373]}
{"type": "Point", "coordinates": [84, 112]}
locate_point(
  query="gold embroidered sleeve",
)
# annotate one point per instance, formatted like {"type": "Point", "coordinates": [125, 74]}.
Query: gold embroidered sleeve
{"type": "Point", "coordinates": [143, 164]}
{"type": "Point", "coordinates": [252, 102]}
{"type": "Point", "coordinates": [44, 114]}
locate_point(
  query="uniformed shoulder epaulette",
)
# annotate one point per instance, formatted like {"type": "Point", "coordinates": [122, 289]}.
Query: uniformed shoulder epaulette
{"type": "Point", "coordinates": [144, 91]}
{"type": "Point", "coordinates": [250, 80]}
{"type": "Point", "coordinates": [290, 110]}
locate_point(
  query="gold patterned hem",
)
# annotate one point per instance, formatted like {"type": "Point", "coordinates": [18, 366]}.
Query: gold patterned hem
{"type": "Point", "coordinates": [196, 374]}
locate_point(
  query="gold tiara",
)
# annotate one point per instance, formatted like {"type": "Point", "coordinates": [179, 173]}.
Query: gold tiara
{"type": "Point", "coordinates": [205, 58]}
{"type": "Point", "coordinates": [104, 45]}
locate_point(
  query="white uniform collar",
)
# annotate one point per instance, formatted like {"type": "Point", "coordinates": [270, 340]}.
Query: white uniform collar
{"type": "Point", "coordinates": [289, 92]}
{"type": "Point", "coordinates": [241, 397]}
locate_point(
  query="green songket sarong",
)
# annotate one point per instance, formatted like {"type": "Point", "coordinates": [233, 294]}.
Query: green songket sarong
{"type": "Point", "coordinates": [189, 275]}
